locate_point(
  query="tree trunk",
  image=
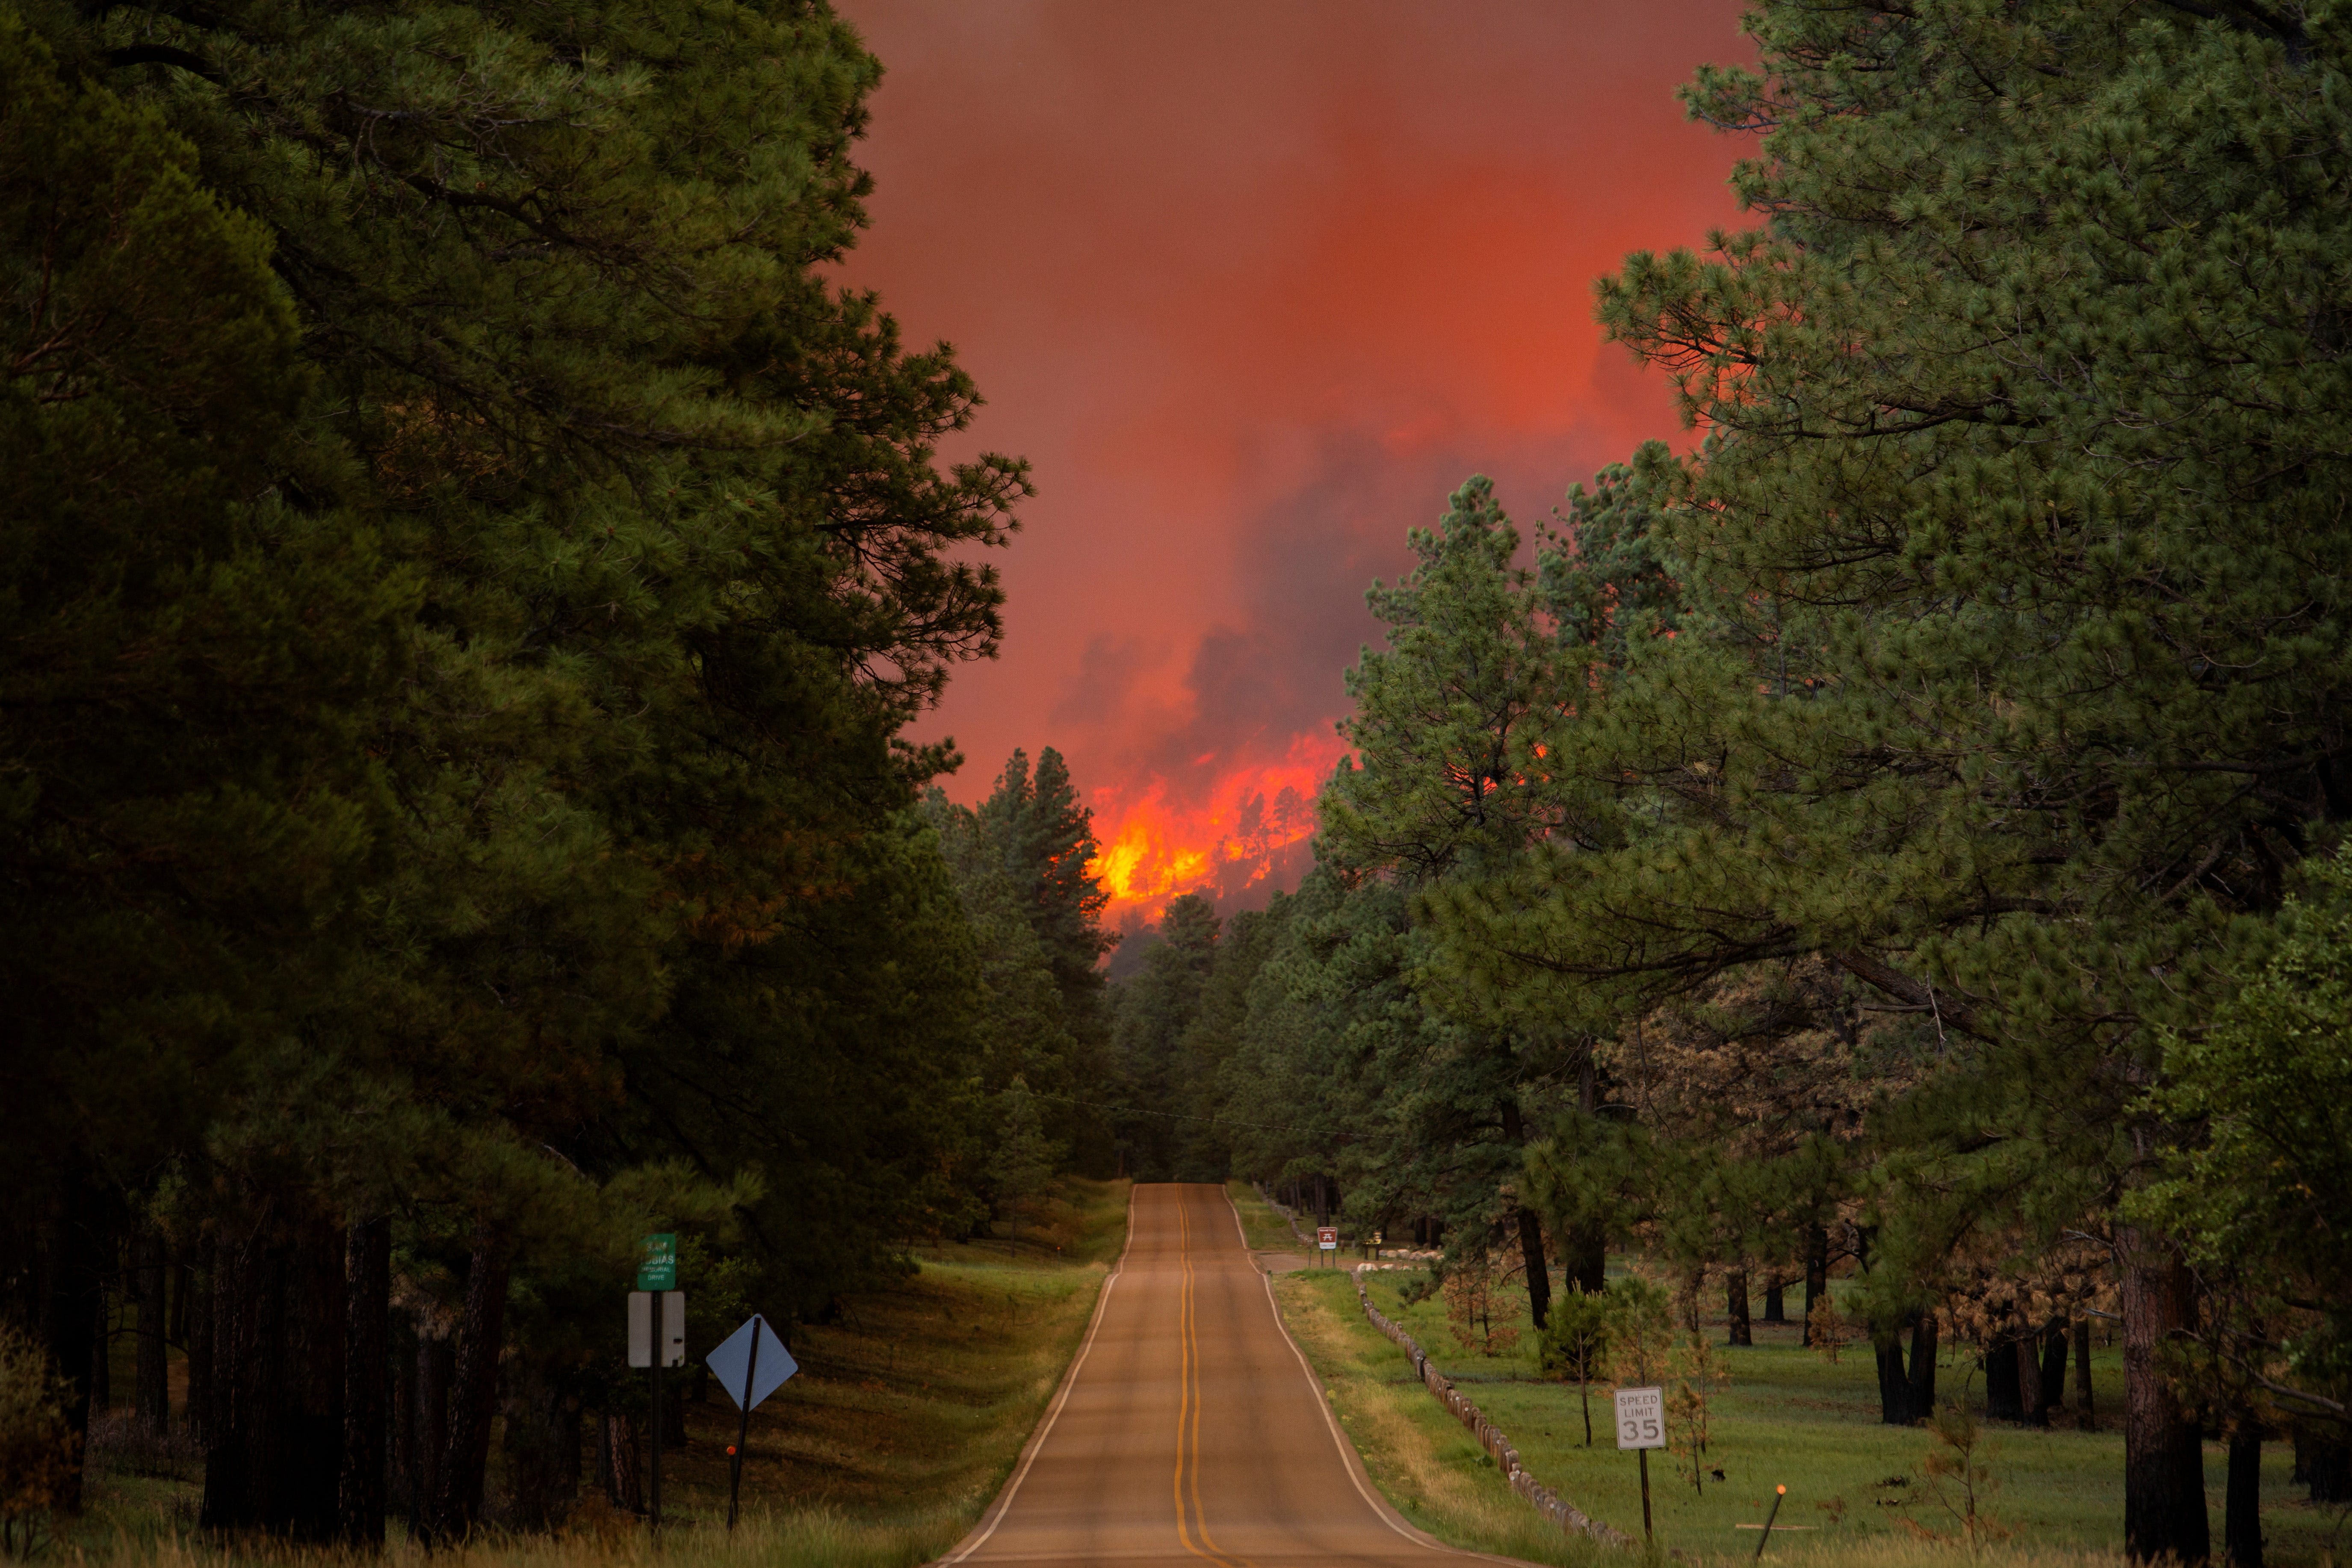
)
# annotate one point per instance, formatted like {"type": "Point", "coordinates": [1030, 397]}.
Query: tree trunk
{"type": "Point", "coordinates": [2242, 1515]}
{"type": "Point", "coordinates": [313, 1455]}
{"type": "Point", "coordinates": [1735, 1303]}
{"type": "Point", "coordinates": [241, 1434]}
{"type": "Point", "coordinates": [76, 1296]}
{"type": "Point", "coordinates": [1584, 1256]}
{"type": "Point", "coordinates": [367, 1365]}
{"type": "Point", "coordinates": [154, 1391]}
{"type": "Point", "coordinates": [2164, 1465]}
{"type": "Point", "coordinates": [2029, 1408]}
{"type": "Point", "coordinates": [2001, 1378]}
{"type": "Point", "coordinates": [616, 1462]}
{"type": "Point", "coordinates": [2053, 1368]}
{"type": "Point", "coordinates": [2084, 1418]}
{"type": "Point", "coordinates": [182, 1292]}
{"type": "Point", "coordinates": [101, 1355]}
{"type": "Point", "coordinates": [1894, 1383]}
{"type": "Point", "coordinates": [1532, 1242]}
{"type": "Point", "coordinates": [1922, 1367]}
{"type": "Point", "coordinates": [402, 1421]}
{"type": "Point", "coordinates": [1584, 1245]}
{"type": "Point", "coordinates": [198, 1288]}
{"type": "Point", "coordinates": [1775, 1311]}
{"type": "Point", "coordinates": [473, 1393]}
{"type": "Point", "coordinates": [274, 1432]}
{"type": "Point", "coordinates": [1817, 1274]}
{"type": "Point", "coordinates": [2323, 1461]}
{"type": "Point", "coordinates": [1531, 1248]}
{"type": "Point", "coordinates": [541, 1444]}
{"type": "Point", "coordinates": [429, 1439]}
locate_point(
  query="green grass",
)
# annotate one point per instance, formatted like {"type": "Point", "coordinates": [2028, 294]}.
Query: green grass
{"type": "Point", "coordinates": [904, 1420]}
{"type": "Point", "coordinates": [1421, 1458]}
{"type": "Point", "coordinates": [1267, 1230]}
{"type": "Point", "coordinates": [1789, 1417]}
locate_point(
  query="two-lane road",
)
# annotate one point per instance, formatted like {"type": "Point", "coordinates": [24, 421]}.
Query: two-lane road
{"type": "Point", "coordinates": [1191, 1431]}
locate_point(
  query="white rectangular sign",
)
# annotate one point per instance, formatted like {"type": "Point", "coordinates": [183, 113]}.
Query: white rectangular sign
{"type": "Point", "coordinates": [1641, 1417]}
{"type": "Point", "coordinates": [1327, 1238]}
{"type": "Point", "coordinates": [641, 1327]}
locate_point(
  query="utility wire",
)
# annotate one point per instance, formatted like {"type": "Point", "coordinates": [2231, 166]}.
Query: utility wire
{"type": "Point", "coordinates": [1186, 1116]}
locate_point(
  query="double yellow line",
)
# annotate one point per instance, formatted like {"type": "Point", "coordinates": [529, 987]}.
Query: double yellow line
{"type": "Point", "coordinates": [1188, 1416]}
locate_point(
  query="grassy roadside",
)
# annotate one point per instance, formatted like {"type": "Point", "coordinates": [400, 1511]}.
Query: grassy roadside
{"type": "Point", "coordinates": [1792, 1417]}
{"type": "Point", "coordinates": [1266, 1230]}
{"type": "Point", "coordinates": [1428, 1468]}
{"type": "Point", "coordinates": [1789, 1415]}
{"type": "Point", "coordinates": [904, 1420]}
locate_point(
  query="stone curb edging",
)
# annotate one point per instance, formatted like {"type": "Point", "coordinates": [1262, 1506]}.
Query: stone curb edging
{"type": "Point", "coordinates": [1267, 1198]}
{"type": "Point", "coordinates": [1544, 1501]}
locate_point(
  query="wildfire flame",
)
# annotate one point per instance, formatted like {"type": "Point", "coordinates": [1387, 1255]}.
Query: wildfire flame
{"type": "Point", "coordinates": [1228, 844]}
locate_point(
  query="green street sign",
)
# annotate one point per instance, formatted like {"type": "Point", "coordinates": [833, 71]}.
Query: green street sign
{"type": "Point", "coordinates": [657, 1267]}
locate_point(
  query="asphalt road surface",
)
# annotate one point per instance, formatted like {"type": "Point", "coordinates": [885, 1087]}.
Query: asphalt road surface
{"type": "Point", "coordinates": [1190, 1430]}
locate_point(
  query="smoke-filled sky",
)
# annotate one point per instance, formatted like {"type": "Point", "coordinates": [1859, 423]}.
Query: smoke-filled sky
{"type": "Point", "coordinates": [1255, 286]}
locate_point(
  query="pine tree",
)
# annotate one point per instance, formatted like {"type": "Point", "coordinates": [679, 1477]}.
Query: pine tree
{"type": "Point", "coordinates": [1024, 1161]}
{"type": "Point", "coordinates": [193, 826]}
{"type": "Point", "coordinates": [1150, 1011]}
{"type": "Point", "coordinates": [1440, 791]}
{"type": "Point", "coordinates": [1024, 864]}
{"type": "Point", "coordinates": [2012, 652]}
{"type": "Point", "coordinates": [665, 561]}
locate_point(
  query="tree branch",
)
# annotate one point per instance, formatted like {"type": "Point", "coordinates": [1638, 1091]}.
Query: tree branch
{"type": "Point", "coordinates": [1917, 994]}
{"type": "Point", "coordinates": [164, 55]}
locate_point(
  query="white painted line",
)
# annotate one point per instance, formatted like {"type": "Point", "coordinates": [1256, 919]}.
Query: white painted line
{"type": "Point", "coordinates": [1070, 1381]}
{"type": "Point", "coordinates": [1349, 1460]}
{"type": "Point", "coordinates": [1239, 1229]}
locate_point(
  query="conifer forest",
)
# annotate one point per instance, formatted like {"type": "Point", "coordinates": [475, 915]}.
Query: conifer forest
{"type": "Point", "coordinates": [473, 577]}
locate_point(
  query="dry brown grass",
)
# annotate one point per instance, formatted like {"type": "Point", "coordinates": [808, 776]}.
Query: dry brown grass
{"type": "Point", "coordinates": [906, 1419]}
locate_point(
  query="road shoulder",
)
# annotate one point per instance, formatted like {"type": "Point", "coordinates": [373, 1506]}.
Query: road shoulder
{"type": "Point", "coordinates": [1428, 1470]}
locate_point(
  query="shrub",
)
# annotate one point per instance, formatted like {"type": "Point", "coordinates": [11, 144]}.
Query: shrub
{"type": "Point", "coordinates": [37, 1445]}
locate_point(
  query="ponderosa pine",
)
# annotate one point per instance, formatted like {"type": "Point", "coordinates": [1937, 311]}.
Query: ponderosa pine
{"type": "Point", "coordinates": [665, 559]}
{"type": "Point", "coordinates": [2013, 653]}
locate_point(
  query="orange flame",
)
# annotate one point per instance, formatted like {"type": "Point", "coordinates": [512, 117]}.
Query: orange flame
{"type": "Point", "coordinates": [1227, 846]}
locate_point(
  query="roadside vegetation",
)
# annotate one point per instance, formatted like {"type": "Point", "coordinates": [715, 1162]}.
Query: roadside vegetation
{"type": "Point", "coordinates": [1786, 1415]}
{"type": "Point", "coordinates": [905, 1419]}
{"type": "Point", "coordinates": [1266, 1229]}
{"type": "Point", "coordinates": [1779, 1413]}
{"type": "Point", "coordinates": [1421, 1460]}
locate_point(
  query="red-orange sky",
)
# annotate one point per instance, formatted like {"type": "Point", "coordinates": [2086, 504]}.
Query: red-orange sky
{"type": "Point", "coordinates": [1255, 286]}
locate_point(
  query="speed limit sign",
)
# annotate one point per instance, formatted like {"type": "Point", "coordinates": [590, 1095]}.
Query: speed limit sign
{"type": "Point", "coordinates": [1642, 1426]}
{"type": "Point", "coordinates": [1641, 1418]}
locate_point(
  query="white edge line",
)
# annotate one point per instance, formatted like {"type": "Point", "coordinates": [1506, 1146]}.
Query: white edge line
{"type": "Point", "coordinates": [1348, 1458]}
{"type": "Point", "coordinates": [1003, 1503]}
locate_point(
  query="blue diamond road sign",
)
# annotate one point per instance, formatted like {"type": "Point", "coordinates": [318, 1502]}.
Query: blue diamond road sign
{"type": "Point", "coordinates": [733, 1363]}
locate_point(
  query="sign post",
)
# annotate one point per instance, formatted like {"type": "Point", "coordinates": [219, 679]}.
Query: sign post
{"type": "Point", "coordinates": [1642, 1427]}
{"type": "Point", "coordinates": [1327, 1239]}
{"type": "Point", "coordinates": [749, 1365]}
{"type": "Point", "coordinates": [1778, 1493]}
{"type": "Point", "coordinates": [657, 1280]}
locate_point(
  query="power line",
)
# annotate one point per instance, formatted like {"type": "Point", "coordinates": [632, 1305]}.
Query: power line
{"type": "Point", "coordinates": [1187, 1116]}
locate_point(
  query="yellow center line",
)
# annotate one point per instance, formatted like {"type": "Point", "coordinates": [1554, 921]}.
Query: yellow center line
{"type": "Point", "coordinates": [1187, 1410]}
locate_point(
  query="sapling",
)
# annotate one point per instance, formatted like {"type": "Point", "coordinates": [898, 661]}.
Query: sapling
{"type": "Point", "coordinates": [1576, 1343]}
